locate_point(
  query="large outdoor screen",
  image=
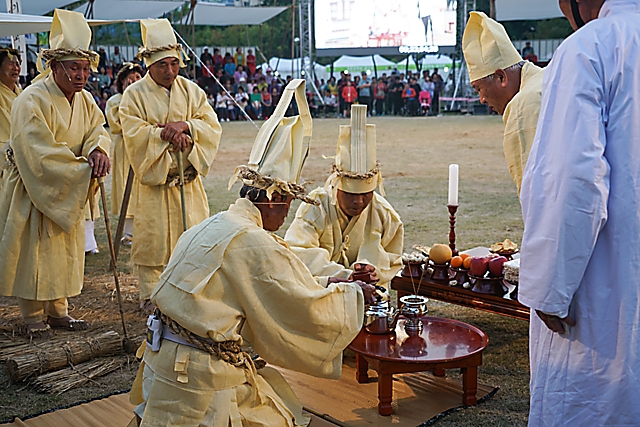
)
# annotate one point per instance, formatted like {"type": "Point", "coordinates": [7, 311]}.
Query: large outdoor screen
{"type": "Point", "coordinates": [343, 24]}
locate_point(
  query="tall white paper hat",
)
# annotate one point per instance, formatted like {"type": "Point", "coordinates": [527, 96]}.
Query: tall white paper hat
{"type": "Point", "coordinates": [487, 47]}
{"type": "Point", "coordinates": [356, 168]}
{"type": "Point", "coordinates": [280, 149]}
{"type": "Point", "coordinates": [159, 42]}
{"type": "Point", "coordinates": [69, 40]}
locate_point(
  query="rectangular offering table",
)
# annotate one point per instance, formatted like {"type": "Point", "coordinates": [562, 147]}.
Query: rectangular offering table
{"type": "Point", "coordinates": [460, 296]}
{"type": "Point", "coordinates": [441, 291]}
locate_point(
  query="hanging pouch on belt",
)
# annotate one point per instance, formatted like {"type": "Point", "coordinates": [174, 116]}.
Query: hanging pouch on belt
{"type": "Point", "coordinates": [154, 333]}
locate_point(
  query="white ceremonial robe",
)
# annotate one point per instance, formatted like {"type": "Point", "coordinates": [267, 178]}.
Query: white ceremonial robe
{"type": "Point", "coordinates": [581, 246]}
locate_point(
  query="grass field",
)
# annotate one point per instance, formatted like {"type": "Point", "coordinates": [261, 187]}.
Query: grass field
{"type": "Point", "coordinates": [415, 154]}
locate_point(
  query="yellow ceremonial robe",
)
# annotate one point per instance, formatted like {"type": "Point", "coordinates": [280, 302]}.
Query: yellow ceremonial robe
{"type": "Point", "coordinates": [158, 216]}
{"type": "Point", "coordinates": [42, 201]}
{"type": "Point", "coordinates": [520, 120]}
{"type": "Point", "coordinates": [328, 243]}
{"type": "Point", "coordinates": [228, 279]}
{"type": "Point", "coordinates": [119, 161]}
{"type": "Point", "coordinates": [7, 96]}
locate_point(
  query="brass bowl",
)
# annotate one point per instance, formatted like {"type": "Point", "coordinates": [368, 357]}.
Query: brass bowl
{"type": "Point", "coordinates": [488, 285]}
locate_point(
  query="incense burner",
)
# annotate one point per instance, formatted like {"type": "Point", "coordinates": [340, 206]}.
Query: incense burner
{"type": "Point", "coordinates": [413, 308]}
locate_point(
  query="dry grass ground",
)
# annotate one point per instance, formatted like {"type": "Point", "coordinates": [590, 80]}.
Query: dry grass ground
{"type": "Point", "coordinates": [415, 154]}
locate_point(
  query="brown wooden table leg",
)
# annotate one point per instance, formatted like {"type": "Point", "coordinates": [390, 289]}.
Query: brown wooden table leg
{"type": "Point", "coordinates": [385, 393]}
{"type": "Point", "coordinates": [362, 369]}
{"type": "Point", "coordinates": [469, 385]}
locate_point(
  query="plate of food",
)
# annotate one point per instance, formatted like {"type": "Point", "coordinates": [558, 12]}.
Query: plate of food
{"type": "Point", "coordinates": [505, 248]}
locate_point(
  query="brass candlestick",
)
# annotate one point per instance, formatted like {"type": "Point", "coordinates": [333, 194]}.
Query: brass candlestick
{"type": "Point", "coordinates": [452, 228]}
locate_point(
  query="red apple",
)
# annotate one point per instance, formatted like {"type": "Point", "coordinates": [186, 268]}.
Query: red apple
{"type": "Point", "coordinates": [495, 266]}
{"type": "Point", "coordinates": [479, 266]}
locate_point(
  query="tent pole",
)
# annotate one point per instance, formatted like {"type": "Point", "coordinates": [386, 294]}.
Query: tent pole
{"type": "Point", "coordinates": [375, 68]}
{"type": "Point", "coordinates": [293, 36]}
{"type": "Point", "coordinates": [406, 67]}
{"type": "Point", "coordinates": [453, 69]}
{"type": "Point", "coordinates": [126, 33]}
{"type": "Point", "coordinates": [192, 11]}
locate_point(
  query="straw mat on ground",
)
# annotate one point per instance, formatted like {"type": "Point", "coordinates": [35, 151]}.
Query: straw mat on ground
{"type": "Point", "coordinates": [417, 398]}
{"type": "Point", "coordinates": [113, 411]}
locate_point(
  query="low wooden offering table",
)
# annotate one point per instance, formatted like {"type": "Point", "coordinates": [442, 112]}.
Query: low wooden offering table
{"type": "Point", "coordinates": [442, 344]}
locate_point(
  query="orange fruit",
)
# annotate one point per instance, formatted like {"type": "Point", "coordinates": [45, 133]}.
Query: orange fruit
{"type": "Point", "coordinates": [456, 262]}
{"type": "Point", "coordinates": [440, 254]}
{"type": "Point", "coordinates": [465, 256]}
{"type": "Point", "coordinates": [466, 264]}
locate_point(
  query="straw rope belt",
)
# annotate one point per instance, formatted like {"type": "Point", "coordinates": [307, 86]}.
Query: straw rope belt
{"type": "Point", "coordinates": [190, 174]}
{"type": "Point", "coordinates": [228, 351]}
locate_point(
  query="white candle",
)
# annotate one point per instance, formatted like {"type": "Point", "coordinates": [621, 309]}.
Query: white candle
{"type": "Point", "coordinates": [453, 185]}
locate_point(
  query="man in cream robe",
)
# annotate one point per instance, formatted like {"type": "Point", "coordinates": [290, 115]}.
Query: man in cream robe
{"type": "Point", "coordinates": [57, 135]}
{"type": "Point", "coordinates": [9, 90]}
{"type": "Point", "coordinates": [332, 240]}
{"type": "Point", "coordinates": [148, 107]}
{"type": "Point", "coordinates": [229, 285]}
{"type": "Point", "coordinates": [240, 284]}
{"type": "Point", "coordinates": [331, 244]}
{"type": "Point", "coordinates": [509, 85]}
{"type": "Point", "coordinates": [128, 74]}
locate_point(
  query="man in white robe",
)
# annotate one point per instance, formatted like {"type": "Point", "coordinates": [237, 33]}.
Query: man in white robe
{"type": "Point", "coordinates": [580, 259]}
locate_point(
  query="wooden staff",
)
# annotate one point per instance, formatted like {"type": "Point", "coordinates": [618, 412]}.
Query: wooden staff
{"type": "Point", "coordinates": [128, 344]}
{"type": "Point", "coordinates": [123, 214]}
{"type": "Point", "coordinates": [182, 200]}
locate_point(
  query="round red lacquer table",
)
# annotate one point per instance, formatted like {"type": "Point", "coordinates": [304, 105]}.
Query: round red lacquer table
{"type": "Point", "coordinates": [442, 344]}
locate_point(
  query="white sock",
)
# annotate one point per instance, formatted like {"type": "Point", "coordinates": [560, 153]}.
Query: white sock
{"type": "Point", "coordinates": [128, 227]}
{"type": "Point", "coordinates": [90, 243]}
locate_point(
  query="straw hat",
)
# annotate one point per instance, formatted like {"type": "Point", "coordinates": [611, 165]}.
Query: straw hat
{"type": "Point", "coordinates": [487, 47]}
{"type": "Point", "coordinates": [356, 168]}
{"type": "Point", "coordinates": [11, 52]}
{"type": "Point", "coordinates": [69, 40]}
{"type": "Point", "coordinates": [159, 42]}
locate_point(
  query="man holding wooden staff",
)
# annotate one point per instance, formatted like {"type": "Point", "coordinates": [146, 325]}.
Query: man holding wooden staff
{"type": "Point", "coordinates": [58, 143]}
{"type": "Point", "coordinates": [352, 228]}
{"type": "Point", "coordinates": [129, 73]}
{"type": "Point", "coordinates": [164, 118]}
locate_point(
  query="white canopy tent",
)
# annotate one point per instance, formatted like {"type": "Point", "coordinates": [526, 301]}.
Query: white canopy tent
{"type": "Point", "coordinates": [287, 67]}
{"type": "Point", "coordinates": [38, 7]}
{"type": "Point", "coordinates": [12, 24]}
{"type": "Point", "coordinates": [121, 10]}
{"type": "Point", "coordinates": [513, 10]}
{"type": "Point", "coordinates": [427, 63]}
{"type": "Point", "coordinates": [219, 15]}
{"type": "Point", "coordinates": [356, 64]}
